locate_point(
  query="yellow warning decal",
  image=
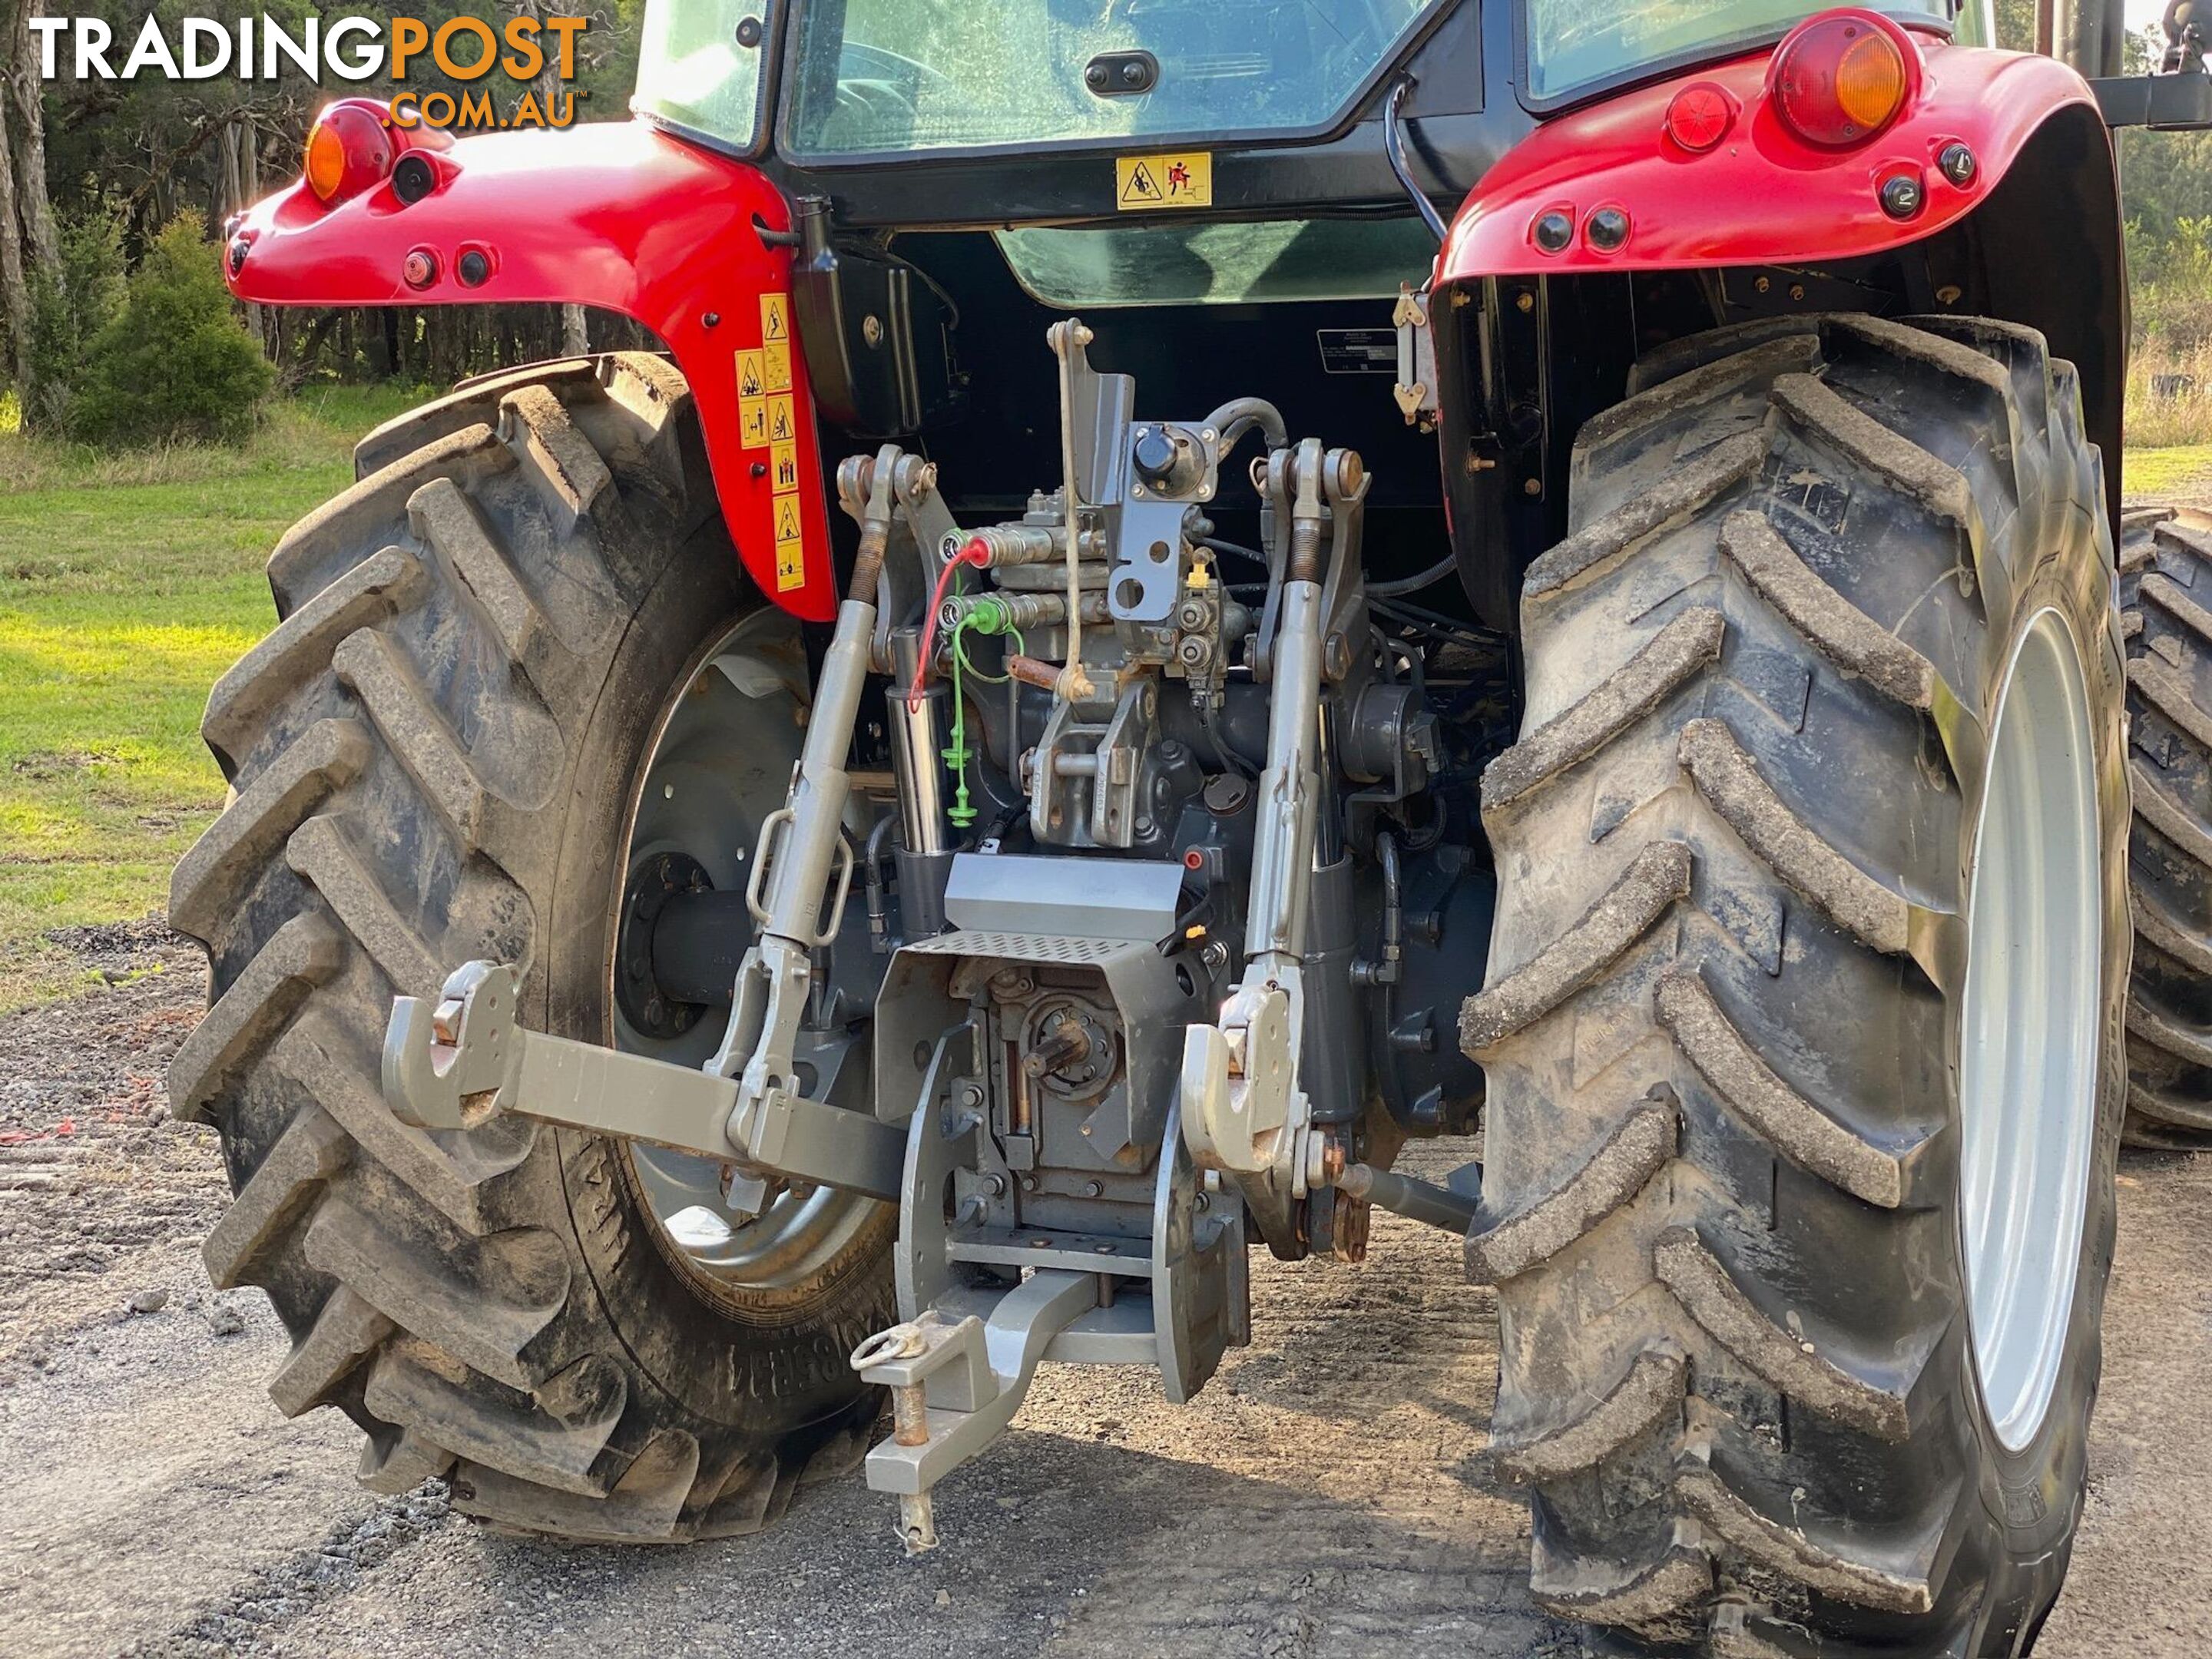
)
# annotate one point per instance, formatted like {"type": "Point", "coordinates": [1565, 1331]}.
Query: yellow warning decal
{"type": "Point", "coordinates": [790, 545]}
{"type": "Point", "coordinates": [776, 365]}
{"type": "Point", "coordinates": [1152, 182]}
{"type": "Point", "coordinates": [775, 318]}
{"type": "Point", "coordinates": [752, 421]}
{"type": "Point", "coordinates": [752, 374]}
{"type": "Point", "coordinates": [787, 519]}
{"type": "Point", "coordinates": [782, 465]}
{"type": "Point", "coordinates": [782, 426]}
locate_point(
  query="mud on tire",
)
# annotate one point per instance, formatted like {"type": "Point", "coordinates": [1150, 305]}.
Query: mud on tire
{"type": "Point", "coordinates": [1722, 1175]}
{"type": "Point", "coordinates": [2166, 593]}
{"type": "Point", "coordinates": [430, 757]}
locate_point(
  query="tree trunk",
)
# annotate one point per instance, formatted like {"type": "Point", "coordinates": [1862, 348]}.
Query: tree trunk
{"type": "Point", "coordinates": [14, 294]}
{"type": "Point", "coordinates": [242, 159]}
{"type": "Point", "coordinates": [30, 110]}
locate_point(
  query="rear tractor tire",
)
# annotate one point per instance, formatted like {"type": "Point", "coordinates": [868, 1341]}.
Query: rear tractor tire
{"type": "Point", "coordinates": [2166, 593]}
{"type": "Point", "coordinates": [1803, 1029]}
{"type": "Point", "coordinates": [488, 647]}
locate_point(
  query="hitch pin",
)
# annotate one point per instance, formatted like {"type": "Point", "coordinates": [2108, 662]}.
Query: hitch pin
{"type": "Point", "coordinates": [917, 1521]}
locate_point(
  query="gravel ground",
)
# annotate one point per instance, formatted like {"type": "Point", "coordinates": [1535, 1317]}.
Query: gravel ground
{"type": "Point", "coordinates": [152, 1501]}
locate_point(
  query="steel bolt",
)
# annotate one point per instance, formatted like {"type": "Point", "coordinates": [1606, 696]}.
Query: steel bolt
{"type": "Point", "coordinates": [1524, 300]}
{"type": "Point", "coordinates": [1532, 486]}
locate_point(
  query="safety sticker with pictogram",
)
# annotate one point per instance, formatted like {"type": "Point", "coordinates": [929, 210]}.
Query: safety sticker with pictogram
{"type": "Point", "coordinates": [752, 373]}
{"type": "Point", "coordinates": [790, 545]}
{"type": "Point", "coordinates": [752, 422]}
{"type": "Point", "coordinates": [775, 318]}
{"type": "Point", "coordinates": [782, 426]}
{"type": "Point", "coordinates": [776, 365]}
{"type": "Point", "coordinates": [783, 466]}
{"type": "Point", "coordinates": [1152, 182]}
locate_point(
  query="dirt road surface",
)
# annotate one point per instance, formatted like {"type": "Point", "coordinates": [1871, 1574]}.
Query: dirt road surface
{"type": "Point", "coordinates": [152, 1501]}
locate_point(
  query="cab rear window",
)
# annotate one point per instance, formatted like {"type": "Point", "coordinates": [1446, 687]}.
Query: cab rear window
{"type": "Point", "coordinates": [875, 76]}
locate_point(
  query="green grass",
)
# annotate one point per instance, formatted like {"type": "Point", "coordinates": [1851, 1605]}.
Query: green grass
{"type": "Point", "coordinates": [128, 584]}
{"type": "Point", "coordinates": [2160, 475]}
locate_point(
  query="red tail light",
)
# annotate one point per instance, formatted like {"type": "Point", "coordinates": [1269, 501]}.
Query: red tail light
{"type": "Point", "coordinates": [1840, 79]}
{"type": "Point", "coordinates": [349, 148]}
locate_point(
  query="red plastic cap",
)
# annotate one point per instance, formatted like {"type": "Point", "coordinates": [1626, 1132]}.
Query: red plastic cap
{"type": "Point", "coordinates": [1840, 79]}
{"type": "Point", "coordinates": [1699, 116]}
{"type": "Point", "coordinates": [349, 149]}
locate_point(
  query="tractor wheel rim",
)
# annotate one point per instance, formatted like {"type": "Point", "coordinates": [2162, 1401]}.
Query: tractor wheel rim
{"type": "Point", "coordinates": [720, 762]}
{"type": "Point", "coordinates": [2029, 1036]}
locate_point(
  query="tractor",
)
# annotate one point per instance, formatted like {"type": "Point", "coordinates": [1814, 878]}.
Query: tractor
{"type": "Point", "coordinates": [772, 885]}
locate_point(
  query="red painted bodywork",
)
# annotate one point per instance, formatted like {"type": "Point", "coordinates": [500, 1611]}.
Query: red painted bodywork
{"type": "Point", "coordinates": [615, 215]}
{"type": "Point", "coordinates": [1760, 196]}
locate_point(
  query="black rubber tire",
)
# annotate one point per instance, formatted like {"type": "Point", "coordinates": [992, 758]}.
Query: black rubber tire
{"type": "Point", "coordinates": [431, 759]}
{"type": "Point", "coordinates": [2165, 597]}
{"type": "Point", "coordinates": [1721, 1175]}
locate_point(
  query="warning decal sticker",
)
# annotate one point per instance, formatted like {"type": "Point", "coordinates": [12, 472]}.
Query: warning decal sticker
{"type": "Point", "coordinates": [790, 545]}
{"type": "Point", "coordinates": [775, 318]}
{"type": "Point", "coordinates": [1149, 183]}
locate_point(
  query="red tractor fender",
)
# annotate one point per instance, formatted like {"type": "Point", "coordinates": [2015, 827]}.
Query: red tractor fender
{"type": "Point", "coordinates": [616, 215]}
{"type": "Point", "coordinates": [1761, 195]}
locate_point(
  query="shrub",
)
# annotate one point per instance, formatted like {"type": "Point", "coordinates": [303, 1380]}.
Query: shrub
{"type": "Point", "coordinates": [175, 364]}
{"type": "Point", "coordinates": [71, 303]}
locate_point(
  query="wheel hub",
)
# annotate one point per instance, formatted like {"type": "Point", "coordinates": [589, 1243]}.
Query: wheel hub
{"type": "Point", "coordinates": [719, 763]}
{"type": "Point", "coordinates": [2029, 1028]}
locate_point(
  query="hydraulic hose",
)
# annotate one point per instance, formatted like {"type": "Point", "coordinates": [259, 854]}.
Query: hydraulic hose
{"type": "Point", "coordinates": [1239, 416]}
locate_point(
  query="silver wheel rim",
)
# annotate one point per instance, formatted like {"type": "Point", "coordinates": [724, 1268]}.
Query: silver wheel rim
{"type": "Point", "coordinates": [2028, 1050]}
{"type": "Point", "coordinates": [721, 761]}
